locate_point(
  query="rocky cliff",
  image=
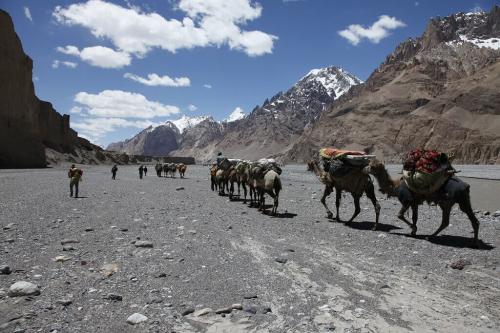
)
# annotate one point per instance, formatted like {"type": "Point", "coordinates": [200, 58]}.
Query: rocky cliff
{"type": "Point", "coordinates": [440, 91]}
{"type": "Point", "coordinates": [27, 125]}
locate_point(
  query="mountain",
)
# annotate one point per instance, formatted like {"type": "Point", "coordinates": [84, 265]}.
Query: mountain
{"type": "Point", "coordinates": [270, 129]}
{"type": "Point", "coordinates": [28, 126]}
{"type": "Point", "coordinates": [153, 141]}
{"type": "Point", "coordinates": [441, 91]}
{"type": "Point", "coordinates": [187, 122]}
{"type": "Point", "coordinates": [237, 114]}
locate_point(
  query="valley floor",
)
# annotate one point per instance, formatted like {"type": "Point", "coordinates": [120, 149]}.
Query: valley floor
{"type": "Point", "coordinates": [297, 272]}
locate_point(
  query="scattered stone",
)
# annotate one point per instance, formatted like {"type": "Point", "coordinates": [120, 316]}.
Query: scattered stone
{"type": "Point", "coordinates": [68, 248]}
{"type": "Point", "coordinates": [69, 241]}
{"type": "Point", "coordinates": [237, 306]}
{"type": "Point", "coordinates": [4, 269]}
{"type": "Point", "coordinates": [486, 213]}
{"type": "Point", "coordinates": [250, 309]}
{"type": "Point", "coordinates": [142, 243]}
{"type": "Point", "coordinates": [23, 288]}
{"type": "Point", "coordinates": [64, 302]}
{"type": "Point", "coordinates": [224, 310]}
{"type": "Point", "coordinates": [192, 232]}
{"type": "Point", "coordinates": [10, 240]}
{"type": "Point", "coordinates": [385, 286]}
{"type": "Point", "coordinates": [265, 310]}
{"type": "Point", "coordinates": [109, 269]}
{"type": "Point", "coordinates": [179, 188]}
{"type": "Point", "coordinates": [136, 318]}
{"type": "Point", "coordinates": [9, 226]}
{"type": "Point", "coordinates": [124, 229]}
{"type": "Point", "coordinates": [161, 275]}
{"type": "Point", "coordinates": [202, 312]}
{"type": "Point", "coordinates": [89, 229]}
{"type": "Point", "coordinates": [250, 296]}
{"type": "Point", "coordinates": [61, 259]}
{"type": "Point", "coordinates": [114, 297]}
{"type": "Point", "coordinates": [281, 260]}
{"type": "Point", "coordinates": [460, 264]}
{"type": "Point", "coordinates": [187, 311]}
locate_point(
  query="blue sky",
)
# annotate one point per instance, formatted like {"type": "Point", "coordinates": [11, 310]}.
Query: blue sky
{"type": "Point", "coordinates": [206, 57]}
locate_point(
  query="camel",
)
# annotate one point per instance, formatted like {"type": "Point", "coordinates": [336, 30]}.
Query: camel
{"type": "Point", "coordinates": [233, 178]}
{"type": "Point", "coordinates": [270, 184]}
{"type": "Point", "coordinates": [265, 180]}
{"type": "Point", "coordinates": [213, 179]}
{"type": "Point", "coordinates": [172, 169]}
{"type": "Point", "coordinates": [158, 169]}
{"type": "Point", "coordinates": [165, 169]}
{"type": "Point", "coordinates": [221, 178]}
{"type": "Point", "coordinates": [452, 192]}
{"type": "Point", "coordinates": [355, 182]}
{"type": "Point", "coordinates": [181, 167]}
{"type": "Point", "coordinates": [242, 171]}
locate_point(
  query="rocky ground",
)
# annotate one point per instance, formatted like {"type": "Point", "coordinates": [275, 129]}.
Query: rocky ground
{"type": "Point", "coordinates": [165, 255]}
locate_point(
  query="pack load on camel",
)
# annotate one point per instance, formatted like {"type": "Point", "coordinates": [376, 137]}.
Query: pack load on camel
{"type": "Point", "coordinates": [425, 171]}
{"type": "Point", "coordinates": [340, 162]}
{"type": "Point", "coordinates": [262, 166]}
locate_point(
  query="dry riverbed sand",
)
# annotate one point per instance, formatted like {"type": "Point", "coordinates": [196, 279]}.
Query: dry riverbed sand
{"type": "Point", "coordinates": [169, 255]}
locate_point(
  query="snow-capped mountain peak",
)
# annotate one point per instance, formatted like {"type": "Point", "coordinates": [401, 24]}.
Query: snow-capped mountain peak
{"type": "Point", "coordinates": [185, 122]}
{"type": "Point", "coordinates": [335, 80]}
{"type": "Point", "coordinates": [237, 114]}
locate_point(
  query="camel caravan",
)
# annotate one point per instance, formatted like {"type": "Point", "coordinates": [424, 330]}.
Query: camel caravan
{"type": "Point", "coordinates": [427, 177]}
{"type": "Point", "coordinates": [170, 169]}
{"type": "Point", "coordinates": [256, 178]}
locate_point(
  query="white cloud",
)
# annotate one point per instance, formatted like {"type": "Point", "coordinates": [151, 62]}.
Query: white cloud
{"type": "Point", "coordinates": [208, 23]}
{"type": "Point", "coordinates": [69, 50]}
{"type": "Point", "coordinates": [95, 128]}
{"type": "Point", "coordinates": [27, 13]}
{"type": "Point", "coordinates": [76, 109]}
{"type": "Point", "coordinates": [192, 107]}
{"type": "Point", "coordinates": [69, 64]}
{"type": "Point", "coordinates": [375, 33]}
{"type": "Point", "coordinates": [122, 104]}
{"type": "Point", "coordinates": [208, 86]}
{"type": "Point", "coordinates": [156, 80]}
{"type": "Point", "coordinates": [98, 56]}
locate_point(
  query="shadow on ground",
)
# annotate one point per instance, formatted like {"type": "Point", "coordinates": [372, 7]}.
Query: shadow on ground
{"type": "Point", "coordinates": [450, 240]}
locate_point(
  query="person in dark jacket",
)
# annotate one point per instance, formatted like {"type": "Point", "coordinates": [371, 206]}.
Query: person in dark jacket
{"type": "Point", "coordinates": [114, 169]}
{"type": "Point", "coordinates": [75, 176]}
{"type": "Point", "coordinates": [141, 171]}
{"type": "Point", "coordinates": [145, 170]}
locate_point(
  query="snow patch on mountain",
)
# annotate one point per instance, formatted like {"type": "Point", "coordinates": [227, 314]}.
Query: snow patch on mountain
{"type": "Point", "coordinates": [237, 114]}
{"type": "Point", "coordinates": [335, 80]}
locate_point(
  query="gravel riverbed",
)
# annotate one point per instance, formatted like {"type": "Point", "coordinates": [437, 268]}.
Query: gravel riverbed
{"type": "Point", "coordinates": [169, 255]}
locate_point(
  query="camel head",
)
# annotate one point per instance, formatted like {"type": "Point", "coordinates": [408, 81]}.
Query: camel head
{"type": "Point", "coordinates": [310, 165]}
{"type": "Point", "coordinates": [374, 167]}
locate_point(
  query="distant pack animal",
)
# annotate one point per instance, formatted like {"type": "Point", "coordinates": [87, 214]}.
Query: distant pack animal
{"type": "Point", "coordinates": [181, 167]}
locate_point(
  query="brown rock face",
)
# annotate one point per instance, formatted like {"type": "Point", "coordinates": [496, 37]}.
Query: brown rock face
{"type": "Point", "coordinates": [439, 91]}
{"type": "Point", "coordinates": [27, 125]}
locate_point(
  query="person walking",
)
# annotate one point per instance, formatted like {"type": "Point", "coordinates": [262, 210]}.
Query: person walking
{"type": "Point", "coordinates": [114, 169]}
{"type": "Point", "coordinates": [145, 170]}
{"type": "Point", "coordinates": [141, 171]}
{"type": "Point", "coordinates": [75, 176]}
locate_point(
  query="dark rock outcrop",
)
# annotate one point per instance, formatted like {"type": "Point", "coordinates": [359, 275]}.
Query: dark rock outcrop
{"type": "Point", "coordinates": [27, 125]}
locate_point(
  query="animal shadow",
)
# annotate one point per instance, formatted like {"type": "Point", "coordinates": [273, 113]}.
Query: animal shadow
{"type": "Point", "coordinates": [453, 241]}
{"type": "Point", "coordinates": [285, 215]}
{"type": "Point", "coordinates": [366, 225]}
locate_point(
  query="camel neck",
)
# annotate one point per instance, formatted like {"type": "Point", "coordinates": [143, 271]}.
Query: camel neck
{"type": "Point", "coordinates": [386, 183]}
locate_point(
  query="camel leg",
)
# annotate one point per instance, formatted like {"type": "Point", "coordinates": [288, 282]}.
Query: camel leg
{"type": "Point", "coordinates": [445, 219]}
{"type": "Point", "coordinates": [244, 192]}
{"type": "Point", "coordinates": [414, 219]}
{"type": "Point", "coordinates": [328, 190]}
{"type": "Point", "coordinates": [357, 208]}
{"type": "Point", "coordinates": [401, 216]}
{"type": "Point", "coordinates": [275, 205]}
{"type": "Point", "coordinates": [370, 193]}
{"type": "Point", "coordinates": [338, 196]}
{"type": "Point", "coordinates": [466, 207]}
{"type": "Point", "coordinates": [231, 190]}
